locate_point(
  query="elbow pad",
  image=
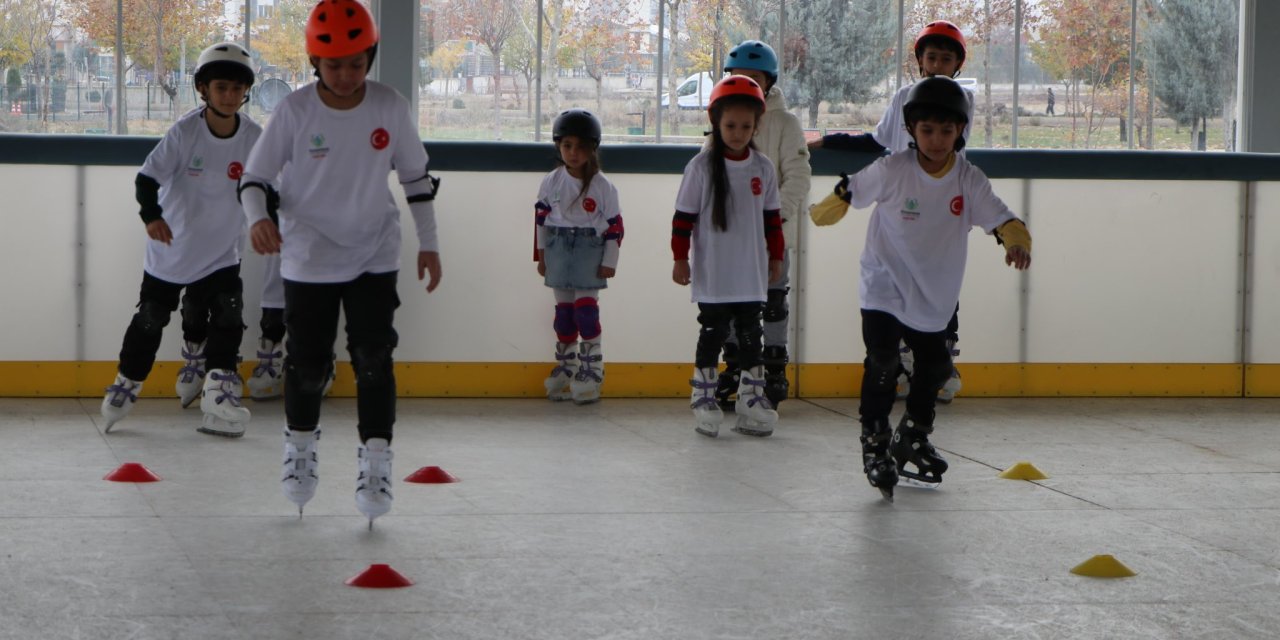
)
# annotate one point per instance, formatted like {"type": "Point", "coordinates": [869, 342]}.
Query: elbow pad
{"type": "Point", "coordinates": [1014, 234]}
{"type": "Point", "coordinates": [147, 192]}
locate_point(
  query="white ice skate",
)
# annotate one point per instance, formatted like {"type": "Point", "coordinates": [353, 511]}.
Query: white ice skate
{"type": "Point", "coordinates": [586, 383]}
{"type": "Point", "coordinates": [952, 386]}
{"type": "Point", "coordinates": [706, 411]}
{"type": "Point", "coordinates": [756, 415]}
{"type": "Point", "coordinates": [267, 380]}
{"type": "Point", "coordinates": [373, 485]}
{"type": "Point", "coordinates": [908, 365]}
{"type": "Point", "coordinates": [299, 479]}
{"type": "Point", "coordinates": [224, 415]}
{"type": "Point", "coordinates": [191, 375]}
{"type": "Point", "coordinates": [119, 401]}
{"type": "Point", "coordinates": [557, 383]}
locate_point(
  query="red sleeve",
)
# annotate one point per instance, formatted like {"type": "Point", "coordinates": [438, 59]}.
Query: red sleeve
{"type": "Point", "coordinates": [773, 234]}
{"type": "Point", "coordinates": [681, 230]}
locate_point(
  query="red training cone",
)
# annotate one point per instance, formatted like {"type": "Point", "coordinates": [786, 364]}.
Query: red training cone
{"type": "Point", "coordinates": [132, 472]}
{"type": "Point", "coordinates": [430, 475]}
{"type": "Point", "coordinates": [379, 576]}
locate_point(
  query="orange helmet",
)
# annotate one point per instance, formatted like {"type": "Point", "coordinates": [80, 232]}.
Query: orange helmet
{"type": "Point", "coordinates": [940, 29]}
{"type": "Point", "coordinates": [736, 86]}
{"type": "Point", "coordinates": [340, 28]}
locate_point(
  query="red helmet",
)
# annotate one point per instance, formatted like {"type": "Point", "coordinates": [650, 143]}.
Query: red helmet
{"type": "Point", "coordinates": [736, 86]}
{"type": "Point", "coordinates": [940, 29]}
{"type": "Point", "coordinates": [340, 28]}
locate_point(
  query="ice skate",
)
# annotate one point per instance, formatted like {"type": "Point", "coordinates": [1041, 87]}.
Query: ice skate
{"type": "Point", "coordinates": [881, 470]}
{"type": "Point", "coordinates": [267, 380]}
{"type": "Point", "coordinates": [586, 383]}
{"type": "Point", "coordinates": [728, 381]}
{"type": "Point", "coordinates": [373, 485]}
{"type": "Point", "coordinates": [911, 446]}
{"type": "Point", "coordinates": [706, 411]}
{"type": "Point", "coordinates": [191, 375]}
{"type": "Point", "coordinates": [776, 386]}
{"type": "Point", "coordinates": [557, 383]}
{"type": "Point", "coordinates": [905, 370]}
{"type": "Point", "coordinates": [299, 479]}
{"type": "Point", "coordinates": [224, 415]}
{"type": "Point", "coordinates": [756, 415]}
{"type": "Point", "coordinates": [119, 401]}
{"type": "Point", "coordinates": [952, 386]}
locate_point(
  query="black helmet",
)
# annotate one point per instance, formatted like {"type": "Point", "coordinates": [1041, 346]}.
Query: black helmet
{"type": "Point", "coordinates": [576, 122]}
{"type": "Point", "coordinates": [936, 94]}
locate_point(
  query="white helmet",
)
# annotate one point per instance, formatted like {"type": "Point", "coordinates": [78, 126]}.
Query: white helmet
{"type": "Point", "coordinates": [223, 56]}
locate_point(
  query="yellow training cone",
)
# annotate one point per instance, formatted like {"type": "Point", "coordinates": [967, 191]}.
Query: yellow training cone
{"type": "Point", "coordinates": [1104, 566]}
{"type": "Point", "coordinates": [1023, 471]}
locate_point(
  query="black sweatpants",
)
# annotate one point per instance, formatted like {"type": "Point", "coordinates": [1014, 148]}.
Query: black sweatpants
{"type": "Point", "coordinates": [205, 316]}
{"type": "Point", "coordinates": [881, 333]}
{"type": "Point", "coordinates": [311, 319]}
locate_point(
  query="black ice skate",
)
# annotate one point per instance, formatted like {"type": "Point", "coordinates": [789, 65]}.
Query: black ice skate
{"type": "Point", "coordinates": [880, 468]}
{"type": "Point", "coordinates": [911, 446]}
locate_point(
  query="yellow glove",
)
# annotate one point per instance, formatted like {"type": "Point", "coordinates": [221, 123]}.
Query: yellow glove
{"type": "Point", "coordinates": [1014, 234]}
{"type": "Point", "coordinates": [834, 206]}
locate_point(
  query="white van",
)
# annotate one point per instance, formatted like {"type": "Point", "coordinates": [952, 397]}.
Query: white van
{"type": "Point", "coordinates": [693, 93]}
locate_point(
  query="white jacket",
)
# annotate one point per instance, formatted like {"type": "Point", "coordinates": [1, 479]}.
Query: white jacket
{"type": "Point", "coordinates": [781, 140]}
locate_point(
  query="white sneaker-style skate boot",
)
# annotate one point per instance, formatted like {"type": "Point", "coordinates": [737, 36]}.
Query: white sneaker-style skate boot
{"type": "Point", "coordinates": [557, 383]}
{"type": "Point", "coordinates": [952, 386]}
{"type": "Point", "coordinates": [119, 401]}
{"type": "Point", "coordinates": [908, 366]}
{"type": "Point", "coordinates": [586, 383]}
{"type": "Point", "coordinates": [373, 485]}
{"type": "Point", "coordinates": [267, 380]}
{"type": "Point", "coordinates": [756, 415]}
{"type": "Point", "coordinates": [706, 410]}
{"type": "Point", "coordinates": [299, 479]}
{"type": "Point", "coordinates": [191, 375]}
{"type": "Point", "coordinates": [224, 415]}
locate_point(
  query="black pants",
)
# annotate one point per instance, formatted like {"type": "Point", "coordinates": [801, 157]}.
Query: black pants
{"type": "Point", "coordinates": [211, 310]}
{"type": "Point", "coordinates": [881, 333]}
{"type": "Point", "coordinates": [311, 319]}
{"type": "Point", "coordinates": [746, 318]}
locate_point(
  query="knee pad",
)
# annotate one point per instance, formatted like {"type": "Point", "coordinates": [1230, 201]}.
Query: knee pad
{"type": "Point", "coordinates": [192, 313]}
{"type": "Point", "coordinates": [151, 318]}
{"type": "Point", "coordinates": [775, 308]}
{"type": "Point", "coordinates": [587, 314]}
{"type": "Point", "coordinates": [372, 365]}
{"type": "Point", "coordinates": [565, 326]}
{"type": "Point", "coordinates": [931, 375]}
{"type": "Point", "coordinates": [228, 311]}
{"type": "Point", "coordinates": [881, 368]}
{"type": "Point", "coordinates": [309, 378]}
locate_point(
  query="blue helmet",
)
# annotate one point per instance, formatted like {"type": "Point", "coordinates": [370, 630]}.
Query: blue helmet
{"type": "Point", "coordinates": [753, 54]}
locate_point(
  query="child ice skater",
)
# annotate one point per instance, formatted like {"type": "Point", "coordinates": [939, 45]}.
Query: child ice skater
{"type": "Point", "coordinates": [727, 211]}
{"type": "Point", "coordinates": [579, 227]}
{"type": "Point", "coordinates": [187, 193]}
{"type": "Point", "coordinates": [333, 143]}
{"type": "Point", "coordinates": [926, 201]}
{"type": "Point", "coordinates": [781, 139]}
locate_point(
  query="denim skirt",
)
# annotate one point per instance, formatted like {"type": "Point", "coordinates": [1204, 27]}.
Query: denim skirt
{"type": "Point", "coordinates": [573, 256]}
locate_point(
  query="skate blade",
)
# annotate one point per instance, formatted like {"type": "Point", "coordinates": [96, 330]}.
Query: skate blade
{"type": "Point", "coordinates": [186, 404]}
{"type": "Point", "coordinates": [707, 432]}
{"type": "Point", "coordinates": [582, 401]}
{"type": "Point", "coordinates": [887, 493]}
{"type": "Point", "coordinates": [111, 424]}
{"type": "Point", "coordinates": [755, 433]}
{"type": "Point", "coordinates": [222, 428]}
{"type": "Point", "coordinates": [917, 481]}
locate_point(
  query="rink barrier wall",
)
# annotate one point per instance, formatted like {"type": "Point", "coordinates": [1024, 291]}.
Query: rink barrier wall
{"type": "Point", "coordinates": [1150, 278]}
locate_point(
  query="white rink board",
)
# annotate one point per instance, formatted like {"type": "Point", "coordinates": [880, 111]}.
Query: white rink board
{"type": "Point", "coordinates": [1264, 319]}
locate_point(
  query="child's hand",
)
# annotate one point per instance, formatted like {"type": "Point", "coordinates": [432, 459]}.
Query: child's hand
{"type": "Point", "coordinates": [605, 272]}
{"type": "Point", "coordinates": [816, 143]}
{"type": "Point", "coordinates": [680, 272]}
{"type": "Point", "coordinates": [159, 231]}
{"type": "Point", "coordinates": [542, 265]}
{"type": "Point", "coordinates": [775, 271]}
{"type": "Point", "coordinates": [265, 237]}
{"type": "Point", "coordinates": [429, 262]}
{"type": "Point", "coordinates": [1018, 257]}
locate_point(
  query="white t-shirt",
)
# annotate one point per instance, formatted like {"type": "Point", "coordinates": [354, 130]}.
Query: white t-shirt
{"type": "Point", "coordinates": [198, 173]}
{"type": "Point", "coordinates": [892, 133]}
{"type": "Point", "coordinates": [730, 265]}
{"type": "Point", "coordinates": [917, 237]}
{"type": "Point", "coordinates": [559, 191]}
{"type": "Point", "coordinates": [338, 218]}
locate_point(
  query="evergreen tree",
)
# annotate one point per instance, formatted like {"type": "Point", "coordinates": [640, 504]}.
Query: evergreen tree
{"type": "Point", "coordinates": [1192, 49]}
{"type": "Point", "coordinates": [843, 50]}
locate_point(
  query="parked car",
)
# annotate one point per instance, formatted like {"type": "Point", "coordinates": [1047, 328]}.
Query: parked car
{"type": "Point", "coordinates": [693, 93]}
